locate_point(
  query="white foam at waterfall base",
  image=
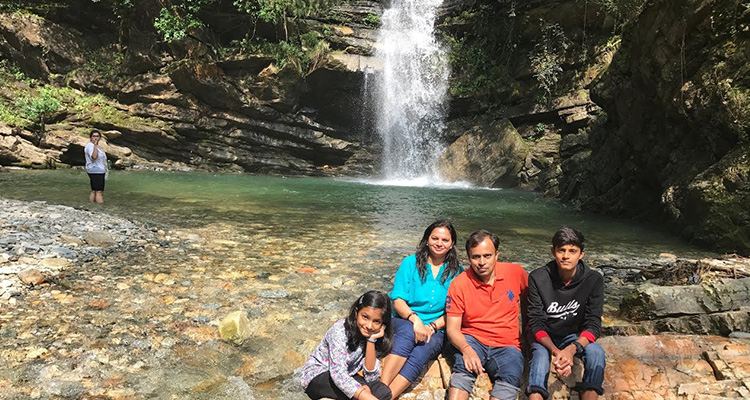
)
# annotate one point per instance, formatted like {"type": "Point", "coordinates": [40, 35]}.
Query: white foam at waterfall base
{"type": "Point", "coordinates": [410, 91]}
{"type": "Point", "coordinates": [420, 181]}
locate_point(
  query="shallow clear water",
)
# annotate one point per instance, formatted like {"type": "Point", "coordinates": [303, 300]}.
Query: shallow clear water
{"type": "Point", "coordinates": [320, 209]}
{"type": "Point", "coordinates": [290, 252]}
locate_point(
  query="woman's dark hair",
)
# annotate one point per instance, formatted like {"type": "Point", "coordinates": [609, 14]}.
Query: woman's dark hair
{"type": "Point", "coordinates": [354, 338]}
{"type": "Point", "coordinates": [423, 251]}
{"type": "Point", "coordinates": [93, 132]}
{"type": "Point", "coordinates": [566, 236]}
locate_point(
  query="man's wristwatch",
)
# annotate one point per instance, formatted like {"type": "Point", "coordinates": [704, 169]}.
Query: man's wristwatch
{"type": "Point", "coordinates": [579, 349]}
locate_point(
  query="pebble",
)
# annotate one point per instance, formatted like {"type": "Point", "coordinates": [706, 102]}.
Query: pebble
{"type": "Point", "coordinates": [273, 294]}
{"type": "Point", "coordinates": [31, 276]}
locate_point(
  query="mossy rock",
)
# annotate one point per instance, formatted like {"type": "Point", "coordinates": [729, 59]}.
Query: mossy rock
{"type": "Point", "coordinates": [715, 206]}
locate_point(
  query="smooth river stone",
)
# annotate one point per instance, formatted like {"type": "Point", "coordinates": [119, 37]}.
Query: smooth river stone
{"type": "Point", "coordinates": [31, 276]}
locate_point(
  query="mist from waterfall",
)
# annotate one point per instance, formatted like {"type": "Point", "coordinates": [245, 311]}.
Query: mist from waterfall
{"type": "Point", "coordinates": [411, 91]}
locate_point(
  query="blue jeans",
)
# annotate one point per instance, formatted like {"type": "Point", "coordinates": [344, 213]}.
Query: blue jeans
{"type": "Point", "coordinates": [504, 365]}
{"type": "Point", "coordinates": [593, 366]}
{"type": "Point", "coordinates": [417, 354]}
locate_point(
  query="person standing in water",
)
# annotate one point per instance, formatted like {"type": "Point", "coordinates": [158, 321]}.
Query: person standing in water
{"type": "Point", "coordinates": [96, 166]}
{"type": "Point", "coordinates": [419, 291]}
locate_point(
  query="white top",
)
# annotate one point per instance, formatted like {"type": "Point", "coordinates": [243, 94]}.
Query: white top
{"type": "Point", "coordinates": [98, 166]}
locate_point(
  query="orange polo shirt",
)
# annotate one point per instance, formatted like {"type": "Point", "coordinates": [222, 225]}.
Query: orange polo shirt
{"type": "Point", "coordinates": [489, 313]}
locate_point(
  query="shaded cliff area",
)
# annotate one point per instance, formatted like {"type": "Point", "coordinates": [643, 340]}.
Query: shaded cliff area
{"type": "Point", "coordinates": [633, 109]}
{"type": "Point", "coordinates": [625, 107]}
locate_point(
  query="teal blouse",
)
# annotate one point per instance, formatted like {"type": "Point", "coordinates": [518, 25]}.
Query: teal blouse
{"type": "Point", "coordinates": [427, 298]}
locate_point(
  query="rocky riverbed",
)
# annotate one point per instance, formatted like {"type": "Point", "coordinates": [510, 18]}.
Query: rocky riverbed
{"type": "Point", "coordinates": [101, 307]}
{"type": "Point", "coordinates": [96, 306]}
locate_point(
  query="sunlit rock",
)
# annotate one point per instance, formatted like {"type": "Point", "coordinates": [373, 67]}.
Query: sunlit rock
{"type": "Point", "coordinates": [99, 239]}
{"type": "Point", "coordinates": [235, 327]}
{"type": "Point", "coordinates": [489, 155]}
{"type": "Point", "coordinates": [55, 263]}
{"type": "Point", "coordinates": [31, 276]}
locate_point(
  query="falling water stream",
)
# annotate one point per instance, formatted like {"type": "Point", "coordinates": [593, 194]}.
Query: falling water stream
{"type": "Point", "coordinates": [411, 93]}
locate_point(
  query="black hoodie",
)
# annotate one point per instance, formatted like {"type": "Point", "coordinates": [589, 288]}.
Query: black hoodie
{"type": "Point", "coordinates": [560, 309]}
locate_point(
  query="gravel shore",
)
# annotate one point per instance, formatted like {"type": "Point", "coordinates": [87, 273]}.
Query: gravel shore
{"type": "Point", "coordinates": [39, 241]}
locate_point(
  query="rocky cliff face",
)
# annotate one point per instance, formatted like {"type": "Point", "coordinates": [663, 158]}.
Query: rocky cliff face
{"type": "Point", "coordinates": [179, 107]}
{"type": "Point", "coordinates": [650, 119]}
{"type": "Point", "coordinates": [677, 122]}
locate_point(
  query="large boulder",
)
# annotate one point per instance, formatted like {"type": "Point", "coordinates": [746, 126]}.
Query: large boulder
{"type": "Point", "coordinates": [17, 151]}
{"type": "Point", "coordinates": [714, 207]}
{"type": "Point", "coordinates": [638, 367]}
{"type": "Point", "coordinates": [652, 301]}
{"type": "Point", "coordinates": [38, 46]}
{"type": "Point", "coordinates": [490, 155]}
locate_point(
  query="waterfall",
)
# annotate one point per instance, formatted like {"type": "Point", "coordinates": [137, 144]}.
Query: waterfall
{"type": "Point", "coordinates": [411, 90]}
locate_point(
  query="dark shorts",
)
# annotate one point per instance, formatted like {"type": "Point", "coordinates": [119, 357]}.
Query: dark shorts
{"type": "Point", "coordinates": [97, 182]}
{"type": "Point", "coordinates": [323, 387]}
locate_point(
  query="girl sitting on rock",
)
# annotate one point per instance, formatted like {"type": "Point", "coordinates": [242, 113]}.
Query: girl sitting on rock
{"type": "Point", "coordinates": [351, 345]}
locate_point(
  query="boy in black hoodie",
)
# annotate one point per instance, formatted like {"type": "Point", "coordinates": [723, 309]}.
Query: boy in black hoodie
{"type": "Point", "coordinates": [566, 299]}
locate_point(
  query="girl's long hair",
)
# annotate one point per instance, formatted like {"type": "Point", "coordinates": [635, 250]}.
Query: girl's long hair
{"type": "Point", "coordinates": [354, 338]}
{"type": "Point", "coordinates": [423, 251]}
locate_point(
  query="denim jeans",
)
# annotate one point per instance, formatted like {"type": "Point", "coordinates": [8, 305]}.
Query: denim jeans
{"type": "Point", "coordinates": [417, 354]}
{"type": "Point", "coordinates": [504, 365]}
{"type": "Point", "coordinates": [593, 366]}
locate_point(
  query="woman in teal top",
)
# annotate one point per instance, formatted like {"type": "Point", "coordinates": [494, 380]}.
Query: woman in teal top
{"type": "Point", "coordinates": [419, 291]}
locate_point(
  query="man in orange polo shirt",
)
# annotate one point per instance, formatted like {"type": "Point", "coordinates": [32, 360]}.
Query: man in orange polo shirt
{"type": "Point", "coordinates": [482, 310]}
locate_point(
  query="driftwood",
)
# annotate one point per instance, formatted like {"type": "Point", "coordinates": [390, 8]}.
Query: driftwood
{"type": "Point", "coordinates": [684, 272]}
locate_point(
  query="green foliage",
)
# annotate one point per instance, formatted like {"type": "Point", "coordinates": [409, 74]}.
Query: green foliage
{"type": "Point", "coordinates": [34, 9]}
{"type": "Point", "coordinates": [548, 55]}
{"type": "Point", "coordinates": [316, 56]}
{"type": "Point", "coordinates": [36, 105]}
{"type": "Point", "coordinates": [622, 11]}
{"type": "Point", "coordinates": [736, 101]}
{"type": "Point", "coordinates": [306, 51]}
{"type": "Point", "coordinates": [480, 52]}
{"type": "Point", "coordinates": [105, 62]}
{"type": "Point", "coordinates": [275, 11]}
{"type": "Point", "coordinates": [175, 22]}
{"type": "Point", "coordinates": [39, 107]}
{"type": "Point", "coordinates": [309, 40]}
{"type": "Point", "coordinates": [11, 117]}
{"type": "Point", "coordinates": [10, 72]}
{"type": "Point", "coordinates": [540, 127]}
{"type": "Point", "coordinates": [372, 20]}
{"type": "Point", "coordinates": [120, 3]}
{"type": "Point", "coordinates": [281, 51]}
{"type": "Point", "coordinates": [468, 61]}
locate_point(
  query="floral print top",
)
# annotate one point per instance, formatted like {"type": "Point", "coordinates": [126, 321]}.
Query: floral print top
{"type": "Point", "coordinates": [334, 356]}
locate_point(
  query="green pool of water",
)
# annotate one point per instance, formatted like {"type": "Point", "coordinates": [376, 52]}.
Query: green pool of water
{"type": "Point", "coordinates": [320, 209]}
